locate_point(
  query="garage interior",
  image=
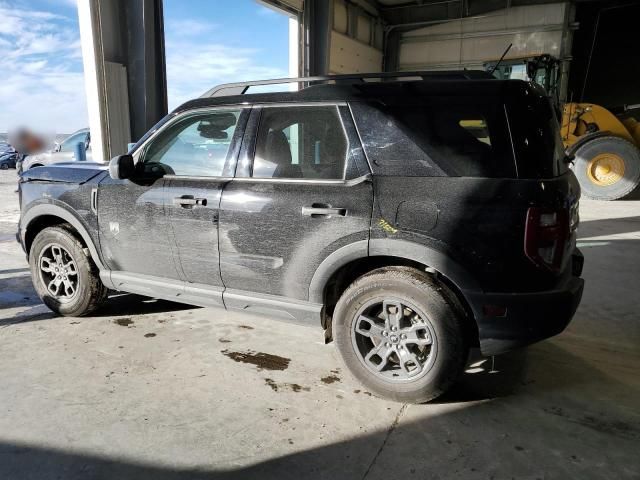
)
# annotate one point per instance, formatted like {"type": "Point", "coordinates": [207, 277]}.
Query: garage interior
{"type": "Point", "coordinates": [146, 388]}
{"type": "Point", "coordinates": [125, 71]}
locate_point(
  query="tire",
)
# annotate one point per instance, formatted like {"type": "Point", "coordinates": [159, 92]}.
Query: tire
{"type": "Point", "coordinates": [4, 166]}
{"type": "Point", "coordinates": [622, 160]}
{"type": "Point", "coordinates": [57, 252]}
{"type": "Point", "coordinates": [437, 319]}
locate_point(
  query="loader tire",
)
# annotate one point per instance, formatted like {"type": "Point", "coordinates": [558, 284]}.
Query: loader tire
{"type": "Point", "coordinates": [608, 168]}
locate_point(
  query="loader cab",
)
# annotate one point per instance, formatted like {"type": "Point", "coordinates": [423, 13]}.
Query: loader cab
{"type": "Point", "coordinates": [541, 69]}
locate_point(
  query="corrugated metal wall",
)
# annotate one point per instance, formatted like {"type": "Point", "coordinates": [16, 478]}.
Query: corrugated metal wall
{"type": "Point", "coordinates": [469, 42]}
{"type": "Point", "coordinates": [356, 40]}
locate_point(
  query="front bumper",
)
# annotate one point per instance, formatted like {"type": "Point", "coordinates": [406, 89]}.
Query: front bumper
{"type": "Point", "coordinates": [528, 318]}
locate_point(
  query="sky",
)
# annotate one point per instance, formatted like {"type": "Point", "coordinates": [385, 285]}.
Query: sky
{"type": "Point", "coordinates": [207, 42]}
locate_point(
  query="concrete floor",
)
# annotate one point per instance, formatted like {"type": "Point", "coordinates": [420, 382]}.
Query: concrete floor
{"type": "Point", "coordinates": [150, 389]}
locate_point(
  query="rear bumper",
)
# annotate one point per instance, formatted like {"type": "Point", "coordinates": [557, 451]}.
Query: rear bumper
{"type": "Point", "coordinates": [529, 317]}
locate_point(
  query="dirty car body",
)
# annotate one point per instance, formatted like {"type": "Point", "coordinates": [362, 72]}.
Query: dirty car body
{"type": "Point", "coordinates": [276, 203]}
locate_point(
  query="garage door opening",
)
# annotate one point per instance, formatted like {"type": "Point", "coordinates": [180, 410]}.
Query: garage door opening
{"type": "Point", "coordinates": [207, 45]}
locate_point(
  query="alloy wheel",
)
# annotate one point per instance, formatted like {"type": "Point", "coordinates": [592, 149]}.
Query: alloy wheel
{"type": "Point", "coordinates": [58, 272]}
{"type": "Point", "coordinates": [394, 340]}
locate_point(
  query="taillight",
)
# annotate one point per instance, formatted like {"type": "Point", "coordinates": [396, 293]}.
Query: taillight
{"type": "Point", "coordinates": [545, 237]}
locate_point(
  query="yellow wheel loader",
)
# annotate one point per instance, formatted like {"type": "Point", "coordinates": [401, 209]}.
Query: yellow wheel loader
{"type": "Point", "coordinates": [603, 146]}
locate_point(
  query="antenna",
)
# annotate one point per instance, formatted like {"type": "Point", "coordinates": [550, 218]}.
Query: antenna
{"type": "Point", "coordinates": [501, 58]}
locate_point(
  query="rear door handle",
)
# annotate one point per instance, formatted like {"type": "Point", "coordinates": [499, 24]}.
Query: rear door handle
{"type": "Point", "coordinates": [188, 201]}
{"type": "Point", "coordinates": [323, 210]}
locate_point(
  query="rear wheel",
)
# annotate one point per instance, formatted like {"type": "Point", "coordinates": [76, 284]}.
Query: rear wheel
{"type": "Point", "coordinates": [608, 168]}
{"type": "Point", "coordinates": [400, 335]}
{"type": "Point", "coordinates": [4, 166]}
{"type": "Point", "coordinates": [65, 279]}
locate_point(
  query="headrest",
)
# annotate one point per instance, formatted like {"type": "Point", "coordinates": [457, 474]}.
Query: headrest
{"type": "Point", "coordinates": [214, 127]}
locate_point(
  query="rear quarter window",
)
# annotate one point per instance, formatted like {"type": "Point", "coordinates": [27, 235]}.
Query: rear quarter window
{"type": "Point", "coordinates": [536, 135]}
{"type": "Point", "coordinates": [443, 136]}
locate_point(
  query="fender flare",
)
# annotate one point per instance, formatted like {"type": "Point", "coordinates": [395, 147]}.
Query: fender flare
{"type": "Point", "coordinates": [431, 257]}
{"type": "Point", "coordinates": [57, 211]}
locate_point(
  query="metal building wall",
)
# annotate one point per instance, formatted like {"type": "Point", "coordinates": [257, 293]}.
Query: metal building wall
{"type": "Point", "coordinates": [469, 42]}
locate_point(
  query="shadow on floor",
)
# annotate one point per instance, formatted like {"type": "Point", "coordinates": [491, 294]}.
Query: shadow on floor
{"type": "Point", "coordinates": [562, 423]}
{"type": "Point", "coordinates": [131, 304]}
{"type": "Point", "coordinates": [118, 304]}
{"type": "Point", "coordinates": [608, 226]}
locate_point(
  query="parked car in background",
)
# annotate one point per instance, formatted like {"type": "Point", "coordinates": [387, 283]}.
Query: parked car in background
{"type": "Point", "coordinates": [8, 156]}
{"type": "Point", "coordinates": [64, 152]}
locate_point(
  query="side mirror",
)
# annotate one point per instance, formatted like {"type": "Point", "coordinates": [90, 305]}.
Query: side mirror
{"type": "Point", "coordinates": [121, 167]}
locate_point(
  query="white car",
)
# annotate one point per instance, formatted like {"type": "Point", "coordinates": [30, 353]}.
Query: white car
{"type": "Point", "coordinates": [63, 152]}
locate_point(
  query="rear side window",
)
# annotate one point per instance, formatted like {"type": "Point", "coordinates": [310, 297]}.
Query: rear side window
{"type": "Point", "coordinates": [459, 137]}
{"type": "Point", "coordinates": [300, 142]}
{"type": "Point", "coordinates": [536, 136]}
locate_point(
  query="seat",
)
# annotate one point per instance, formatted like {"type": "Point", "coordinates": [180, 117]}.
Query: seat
{"type": "Point", "coordinates": [278, 151]}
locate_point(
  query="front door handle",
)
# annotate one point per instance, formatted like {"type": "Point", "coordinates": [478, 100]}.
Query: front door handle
{"type": "Point", "coordinates": [323, 210]}
{"type": "Point", "coordinates": [188, 201]}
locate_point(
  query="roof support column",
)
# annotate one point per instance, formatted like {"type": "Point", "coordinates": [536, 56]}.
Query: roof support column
{"type": "Point", "coordinates": [125, 73]}
{"type": "Point", "coordinates": [317, 21]}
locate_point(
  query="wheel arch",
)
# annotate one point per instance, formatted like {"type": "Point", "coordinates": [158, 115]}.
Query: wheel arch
{"type": "Point", "coordinates": [42, 216]}
{"type": "Point", "coordinates": [346, 264]}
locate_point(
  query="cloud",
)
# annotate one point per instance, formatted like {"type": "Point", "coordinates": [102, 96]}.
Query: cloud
{"type": "Point", "coordinates": [193, 66]}
{"type": "Point", "coordinates": [189, 27]}
{"type": "Point", "coordinates": [42, 83]}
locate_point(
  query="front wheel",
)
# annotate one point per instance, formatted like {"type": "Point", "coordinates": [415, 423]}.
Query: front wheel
{"type": "Point", "coordinates": [400, 335]}
{"type": "Point", "coordinates": [65, 279]}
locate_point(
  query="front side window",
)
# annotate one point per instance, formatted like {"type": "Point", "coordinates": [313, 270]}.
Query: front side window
{"type": "Point", "coordinates": [306, 142]}
{"type": "Point", "coordinates": [195, 146]}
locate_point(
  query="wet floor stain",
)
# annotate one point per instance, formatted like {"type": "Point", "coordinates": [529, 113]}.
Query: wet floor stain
{"type": "Point", "coordinates": [360, 391]}
{"type": "Point", "coordinates": [123, 322]}
{"type": "Point", "coordinates": [602, 425]}
{"type": "Point", "coordinates": [264, 361]}
{"type": "Point", "coordinates": [329, 379]}
{"type": "Point", "coordinates": [276, 387]}
{"type": "Point", "coordinates": [149, 335]}
{"type": "Point", "coordinates": [245, 327]}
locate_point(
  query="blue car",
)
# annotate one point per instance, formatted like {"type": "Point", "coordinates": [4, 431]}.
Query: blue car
{"type": "Point", "coordinates": [8, 157]}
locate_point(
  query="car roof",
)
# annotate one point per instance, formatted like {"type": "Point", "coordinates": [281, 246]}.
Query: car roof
{"type": "Point", "coordinates": [365, 91]}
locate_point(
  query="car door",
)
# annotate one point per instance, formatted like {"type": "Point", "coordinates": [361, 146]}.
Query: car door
{"type": "Point", "coordinates": [134, 234]}
{"type": "Point", "coordinates": [301, 191]}
{"type": "Point", "coordinates": [207, 145]}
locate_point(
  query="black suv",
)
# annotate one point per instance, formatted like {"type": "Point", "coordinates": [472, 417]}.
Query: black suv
{"type": "Point", "coordinates": [411, 219]}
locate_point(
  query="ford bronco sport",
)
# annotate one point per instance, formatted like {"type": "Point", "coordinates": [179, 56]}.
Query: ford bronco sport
{"type": "Point", "coordinates": [410, 219]}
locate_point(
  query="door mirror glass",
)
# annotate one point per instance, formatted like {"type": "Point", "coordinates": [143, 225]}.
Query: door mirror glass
{"type": "Point", "coordinates": [121, 167]}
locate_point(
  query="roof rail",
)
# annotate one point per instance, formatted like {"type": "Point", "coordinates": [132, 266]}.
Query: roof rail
{"type": "Point", "coordinates": [241, 88]}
